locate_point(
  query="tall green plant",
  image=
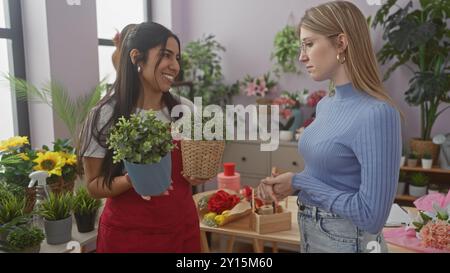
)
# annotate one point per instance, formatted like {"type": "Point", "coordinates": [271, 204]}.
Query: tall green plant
{"type": "Point", "coordinates": [71, 111]}
{"type": "Point", "coordinates": [421, 37]}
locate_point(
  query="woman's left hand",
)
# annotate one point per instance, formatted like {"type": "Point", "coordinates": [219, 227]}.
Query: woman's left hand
{"type": "Point", "coordinates": [194, 181]}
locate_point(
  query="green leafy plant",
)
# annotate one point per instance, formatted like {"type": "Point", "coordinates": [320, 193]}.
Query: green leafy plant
{"type": "Point", "coordinates": [201, 66]}
{"type": "Point", "coordinates": [24, 237]}
{"type": "Point", "coordinates": [419, 180]}
{"type": "Point", "coordinates": [83, 203]}
{"type": "Point", "coordinates": [11, 207]}
{"type": "Point", "coordinates": [140, 139]}
{"type": "Point", "coordinates": [427, 155]}
{"type": "Point", "coordinates": [286, 48]}
{"type": "Point", "coordinates": [413, 155]}
{"type": "Point", "coordinates": [420, 37]}
{"type": "Point", "coordinates": [71, 111]}
{"type": "Point", "coordinates": [56, 206]}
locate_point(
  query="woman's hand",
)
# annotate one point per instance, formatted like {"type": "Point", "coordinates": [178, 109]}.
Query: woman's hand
{"type": "Point", "coordinates": [194, 181]}
{"type": "Point", "coordinates": [276, 187]}
{"type": "Point", "coordinates": [148, 197]}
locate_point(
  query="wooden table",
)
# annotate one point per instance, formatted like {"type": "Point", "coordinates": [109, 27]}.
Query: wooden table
{"type": "Point", "coordinates": [241, 228]}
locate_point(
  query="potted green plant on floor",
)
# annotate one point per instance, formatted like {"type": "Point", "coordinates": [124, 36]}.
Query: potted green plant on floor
{"type": "Point", "coordinates": [418, 40]}
{"type": "Point", "coordinates": [144, 144]}
{"type": "Point", "coordinates": [25, 239]}
{"type": "Point", "coordinates": [56, 211]}
{"type": "Point", "coordinates": [85, 209]}
{"type": "Point", "coordinates": [418, 184]}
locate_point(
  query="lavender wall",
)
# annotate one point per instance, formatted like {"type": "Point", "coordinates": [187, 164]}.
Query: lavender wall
{"type": "Point", "coordinates": [247, 28]}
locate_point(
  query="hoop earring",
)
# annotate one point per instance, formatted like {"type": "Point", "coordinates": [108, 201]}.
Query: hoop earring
{"type": "Point", "coordinates": [338, 57]}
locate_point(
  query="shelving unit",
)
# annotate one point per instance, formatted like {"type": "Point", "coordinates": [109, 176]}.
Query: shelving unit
{"type": "Point", "coordinates": [436, 175]}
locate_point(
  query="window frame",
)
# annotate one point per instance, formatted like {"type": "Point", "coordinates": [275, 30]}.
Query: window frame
{"type": "Point", "coordinates": [17, 54]}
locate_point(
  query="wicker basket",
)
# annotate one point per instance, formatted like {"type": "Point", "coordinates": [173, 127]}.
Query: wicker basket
{"type": "Point", "coordinates": [30, 199]}
{"type": "Point", "coordinates": [201, 158]}
{"type": "Point", "coordinates": [61, 186]}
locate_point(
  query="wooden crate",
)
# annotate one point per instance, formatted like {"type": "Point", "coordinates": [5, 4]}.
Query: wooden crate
{"type": "Point", "coordinates": [268, 223]}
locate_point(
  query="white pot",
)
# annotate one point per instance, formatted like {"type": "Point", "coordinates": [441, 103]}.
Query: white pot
{"type": "Point", "coordinates": [286, 135]}
{"type": "Point", "coordinates": [427, 163]}
{"type": "Point", "coordinates": [417, 191]}
{"type": "Point", "coordinates": [432, 191]}
{"type": "Point", "coordinates": [402, 161]}
{"type": "Point", "coordinates": [401, 188]}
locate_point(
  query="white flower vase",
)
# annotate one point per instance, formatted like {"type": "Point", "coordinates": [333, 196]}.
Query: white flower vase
{"type": "Point", "coordinates": [427, 163]}
{"type": "Point", "coordinates": [286, 135]}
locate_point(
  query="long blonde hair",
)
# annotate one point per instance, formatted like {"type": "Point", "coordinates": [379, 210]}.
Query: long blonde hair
{"type": "Point", "coordinates": [337, 17]}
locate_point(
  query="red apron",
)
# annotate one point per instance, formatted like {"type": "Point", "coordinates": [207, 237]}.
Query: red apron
{"type": "Point", "coordinates": [163, 224]}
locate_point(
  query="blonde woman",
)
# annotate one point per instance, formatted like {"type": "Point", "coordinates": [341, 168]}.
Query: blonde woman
{"type": "Point", "coordinates": [352, 149]}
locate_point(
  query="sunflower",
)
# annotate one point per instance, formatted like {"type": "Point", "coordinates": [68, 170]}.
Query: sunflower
{"type": "Point", "coordinates": [70, 159]}
{"type": "Point", "coordinates": [52, 162]}
{"type": "Point", "coordinates": [13, 142]}
{"type": "Point", "coordinates": [23, 156]}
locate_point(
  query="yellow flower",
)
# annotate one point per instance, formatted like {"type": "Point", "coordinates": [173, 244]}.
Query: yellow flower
{"type": "Point", "coordinates": [23, 156]}
{"type": "Point", "coordinates": [51, 162]}
{"type": "Point", "coordinates": [70, 159]}
{"type": "Point", "coordinates": [13, 142]}
{"type": "Point", "coordinates": [210, 216]}
{"type": "Point", "coordinates": [220, 219]}
{"type": "Point", "coordinates": [225, 212]}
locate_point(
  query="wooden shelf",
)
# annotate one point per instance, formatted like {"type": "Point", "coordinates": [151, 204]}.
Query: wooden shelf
{"type": "Point", "coordinates": [408, 198]}
{"type": "Point", "coordinates": [434, 169]}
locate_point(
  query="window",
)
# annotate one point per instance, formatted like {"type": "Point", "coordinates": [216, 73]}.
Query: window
{"type": "Point", "coordinates": [113, 16]}
{"type": "Point", "coordinates": [14, 114]}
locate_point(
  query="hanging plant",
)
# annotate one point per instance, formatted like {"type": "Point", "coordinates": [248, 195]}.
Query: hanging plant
{"type": "Point", "coordinates": [286, 48]}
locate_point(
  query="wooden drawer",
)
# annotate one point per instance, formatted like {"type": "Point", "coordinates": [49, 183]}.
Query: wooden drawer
{"type": "Point", "coordinates": [287, 158]}
{"type": "Point", "coordinates": [249, 158]}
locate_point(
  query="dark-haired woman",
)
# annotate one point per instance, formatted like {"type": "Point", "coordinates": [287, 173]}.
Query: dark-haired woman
{"type": "Point", "coordinates": [149, 65]}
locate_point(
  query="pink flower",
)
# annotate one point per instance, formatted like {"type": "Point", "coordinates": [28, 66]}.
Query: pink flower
{"type": "Point", "coordinates": [436, 234]}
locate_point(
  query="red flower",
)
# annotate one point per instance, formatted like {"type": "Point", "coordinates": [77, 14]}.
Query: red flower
{"type": "Point", "coordinates": [247, 193]}
{"type": "Point", "coordinates": [221, 201]}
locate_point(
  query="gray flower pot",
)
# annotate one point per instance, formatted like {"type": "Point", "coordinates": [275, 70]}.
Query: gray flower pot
{"type": "Point", "coordinates": [417, 191]}
{"type": "Point", "coordinates": [58, 232]}
{"type": "Point", "coordinates": [150, 179]}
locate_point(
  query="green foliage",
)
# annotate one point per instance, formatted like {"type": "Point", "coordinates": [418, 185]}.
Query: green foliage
{"type": "Point", "coordinates": [11, 206]}
{"type": "Point", "coordinates": [24, 237]}
{"type": "Point", "coordinates": [403, 176]}
{"type": "Point", "coordinates": [71, 112]}
{"type": "Point", "coordinates": [421, 37]}
{"type": "Point", "coordinates": [427, 155]}
{"type": "Point", "coordinates": [140, 139]}
{"type": "Point", "coordinates": [413, 155]}
{"type": "Point", "coordinates": [419, 180]}
{"type": "Point", "coordinates": [56, 206]}
{"type": "Point", "coordinates": [83, 203]}
{"type": "Point", "coordinates": [286, 50]}
{"type": "Point", "coordinates": [201, 65]}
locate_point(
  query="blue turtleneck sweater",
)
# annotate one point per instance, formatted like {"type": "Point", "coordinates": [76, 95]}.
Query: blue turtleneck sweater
{"type": "Point", "coordinates": [352, 156]}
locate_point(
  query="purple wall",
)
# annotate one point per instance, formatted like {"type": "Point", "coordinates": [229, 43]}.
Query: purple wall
{"type": "Point", "coordinates": [247, 29]}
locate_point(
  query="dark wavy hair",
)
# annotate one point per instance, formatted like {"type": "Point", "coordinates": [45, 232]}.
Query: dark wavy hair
{"type": "Point", "coordinates": [125, 92]}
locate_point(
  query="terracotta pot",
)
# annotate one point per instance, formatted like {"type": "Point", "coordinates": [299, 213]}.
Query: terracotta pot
{"type": "Point", "coordinates": [422, 146]}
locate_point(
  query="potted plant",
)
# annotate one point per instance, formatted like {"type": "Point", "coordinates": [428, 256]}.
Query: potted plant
{"type": "Point", "coordinates": [56, 211]}
{"type": "Point", "coordinates": [202, 157]}
{"type": "Point", "coordinates": [412, 159]}
{"type": "Point", "coordinates": [427, 160]}
{"type": "Point", "coordinates": [25, 239]}
{"type": "Point", "coordinates": [85, 209]}
{"type": "Point", "coordinates": [11, 207]}
{"type": "Point", "coordinates": [418, 184]}
{"type": "Point", "coordinates": [401, 183]}
{"type": "Point", "coordinates": [433, 188]}
{"type": "Point", "coordinates": [290, 104]}
{"type": "Point", "coordinates": [419, 37]}
{"type": "Point", "coordinates": [144, 144]}
{"type": "Point", "coordinates": [286, 46]}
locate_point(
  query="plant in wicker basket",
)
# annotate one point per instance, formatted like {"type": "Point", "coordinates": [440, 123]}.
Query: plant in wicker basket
{"type": "Point", "coordinates": [144, 144]}
{"type": "Point", "coordinates": [202, 158]}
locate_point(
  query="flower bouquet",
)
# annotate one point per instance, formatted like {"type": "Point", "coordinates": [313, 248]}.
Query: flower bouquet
{"type": "Point", "coordinates": [221, 207]}
{"type": "Point", "coordinates": [258, 86]}
{"type": "Point", "coordinates": [144, 144]}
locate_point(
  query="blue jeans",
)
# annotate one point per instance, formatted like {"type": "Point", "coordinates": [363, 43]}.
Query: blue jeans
{"type": "Point", "coordinates": [322, 231]}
